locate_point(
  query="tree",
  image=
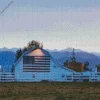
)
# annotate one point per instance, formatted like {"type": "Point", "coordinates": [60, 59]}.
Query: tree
{"type": "Point", "coordinates": [13, 68]}
{"type": "Point", "coordinates": [66, 63]}
{"type": "Point", "coordinates": [42, 45]}
{"type": "Point", "coordinates": [73, 59]}
{"type": "Point", "coordinates": [86, 64]}
{"type": "Point", "coordinates": [18, 54]}
{"type": "Point", "coordinates": [30, 45]}
{"type": "Point", "coordinates": [98, 67]}
{"type": "Point", "coordinates": [25, 49]}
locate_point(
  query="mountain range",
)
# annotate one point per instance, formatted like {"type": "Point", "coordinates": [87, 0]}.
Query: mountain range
{"type": "Point", "coordinates": [61, 57]}
{"type": "Point", "coordinates": [7, 57]}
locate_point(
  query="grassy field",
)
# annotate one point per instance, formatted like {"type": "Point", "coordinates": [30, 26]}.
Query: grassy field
{"type": "Point", "coordinates": [50, 91]}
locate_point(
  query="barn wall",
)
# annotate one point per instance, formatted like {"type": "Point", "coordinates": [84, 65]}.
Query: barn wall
{"type": "Point", "coordinates": [56, 73]}
{"type": "Point", "coordinates": [59, 73]}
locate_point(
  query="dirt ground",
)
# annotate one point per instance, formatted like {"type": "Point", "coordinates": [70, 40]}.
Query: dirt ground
{"type": "Point", "coordinates": [50, 91]}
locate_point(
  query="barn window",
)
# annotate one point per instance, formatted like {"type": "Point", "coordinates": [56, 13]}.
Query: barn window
{"type": "Point", "coordinates": [36, 63]}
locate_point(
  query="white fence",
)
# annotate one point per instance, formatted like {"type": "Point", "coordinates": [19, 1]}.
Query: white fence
{"type": "Point", "coordinates": [92, 77]}
{"type": "Point", "coordinates": [7, 77]}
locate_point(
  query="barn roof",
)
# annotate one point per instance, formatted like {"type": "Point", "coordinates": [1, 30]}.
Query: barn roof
{"type": "Point", "coordinates": [46, 52]}
{"type": "Point", "coordinates": [28, 51]}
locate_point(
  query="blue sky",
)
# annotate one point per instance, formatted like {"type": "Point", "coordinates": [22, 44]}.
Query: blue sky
{"type": "Point", "coordinates": [58, 24]}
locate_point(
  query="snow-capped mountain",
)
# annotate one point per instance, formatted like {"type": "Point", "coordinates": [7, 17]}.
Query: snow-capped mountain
{"type": "Point", "coordinates": [8, 49]}
{"type": "Point", "coordinates": [7, 56]}
{"type": "Point", "coordinates": [81, 56]}
{"type": "Point", "coordinates": [96, 53]}
{"type": "Point", "coordinates": [71, 49]}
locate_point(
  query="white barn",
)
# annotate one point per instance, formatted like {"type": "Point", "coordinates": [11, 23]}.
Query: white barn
{"type": "Point", "coordinates": [38, 65]}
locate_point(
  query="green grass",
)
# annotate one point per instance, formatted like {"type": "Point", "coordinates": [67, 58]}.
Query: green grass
{"type": "Point", "coordinates": [50, 91]}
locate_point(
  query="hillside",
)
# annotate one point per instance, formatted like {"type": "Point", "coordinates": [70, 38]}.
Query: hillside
{"type": "Point", "coordinates": [7, 57]}
{"type": "Point", "coordinates": [62, 56]}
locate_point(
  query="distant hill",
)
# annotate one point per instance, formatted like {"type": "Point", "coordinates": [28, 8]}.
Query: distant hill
{"type": "Point", "coordinates": [62, 56]}
{"type": "Point", "coordinates": [96, 53]}
{"type": "Point", "coordinates": [7, 56]}
{"type": "Point", "coordinates": [7, 59]}
{"type": "Point", "coordinates": [8, 49]}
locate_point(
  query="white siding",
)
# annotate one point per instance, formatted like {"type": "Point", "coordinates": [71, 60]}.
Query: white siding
{"type": "Point", "coordinates": [55, 73]}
